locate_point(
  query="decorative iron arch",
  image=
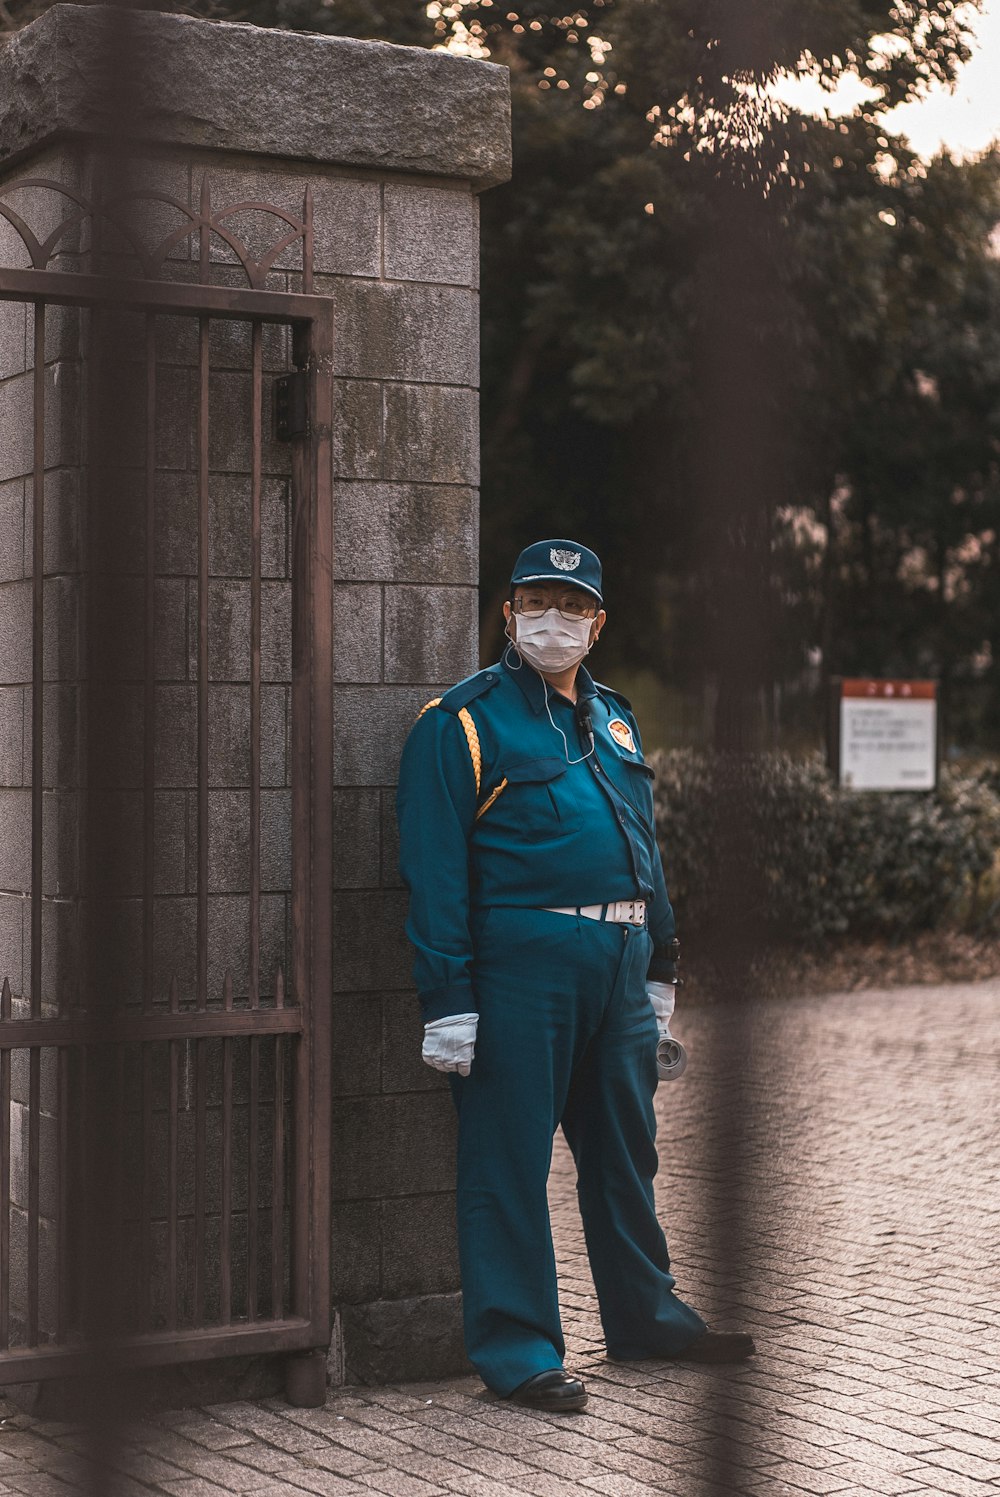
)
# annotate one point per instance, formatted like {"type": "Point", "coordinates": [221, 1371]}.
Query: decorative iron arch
{"type": "Point", "coordinates": [203, 222]}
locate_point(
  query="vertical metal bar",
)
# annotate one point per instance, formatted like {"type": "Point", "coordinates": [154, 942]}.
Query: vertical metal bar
{"type": "Point", "coordinates": [85, 1147]}
{"type": "Point", "coordinates": [172, 1107]}
{"type": "Point", "coordinates": [34, 1110]}
{"type": "Point", "coordinates": [278, 1183]}
{"type": "Point", "coordinates": [145, 1307]}
{"type": "Point", "coordinates": [313, 862]}
{"type": "Point", "coordinates": [255, 589]}
{"type": "Point", "coordinates": [203, 539]}
{"type": "Point", "coordinates": [204, 231]}
{"type": "Point", "coordinates": [37, 836]}
{"type": "Point", "coordinates": [64, 1133]}
{"type": "Point", "coordinates": [203, 390]}
{"type": "Point", "coordinates": [37, 652]}
{"type": "Point", "coordinates": [5, 1175]}
{"type": "Point", "coordinates": [63, 1229]}
{"type": "Point", "coordinates": [226, 1207]}
{"type": "Point", "coordinates": [308, 238]}
{"type": "Point", "coordinates": [149, 676]}
{"type": "Point", "coordinates": [119, 1193]}
{"type": "Point", "coordinates": [253, 1149]}
{"type": "Point", "coordinates": [201, 1082]}
{"type": "Point", "coordinates": [303, 536]}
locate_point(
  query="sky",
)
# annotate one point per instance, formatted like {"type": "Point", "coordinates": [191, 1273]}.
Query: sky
{"type": "Point", "coordinates": [964, 122]}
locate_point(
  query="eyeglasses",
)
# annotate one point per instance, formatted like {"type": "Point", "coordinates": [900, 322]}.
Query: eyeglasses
{"type": "Point", "coordinates": [574, 605]}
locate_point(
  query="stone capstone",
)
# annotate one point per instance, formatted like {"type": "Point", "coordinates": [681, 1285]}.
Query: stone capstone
{"type": "Point", "coordinates": [251, 89]}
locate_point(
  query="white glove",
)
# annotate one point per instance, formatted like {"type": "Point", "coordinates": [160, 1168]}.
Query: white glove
{"type": "Point", "coordinates": [450, 1043]}
{"type": "Point", "coordinates": [671, 1056]}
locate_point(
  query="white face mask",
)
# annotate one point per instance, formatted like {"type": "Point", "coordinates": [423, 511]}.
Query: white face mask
{"type": "Point", "coordinates": [552, 643]}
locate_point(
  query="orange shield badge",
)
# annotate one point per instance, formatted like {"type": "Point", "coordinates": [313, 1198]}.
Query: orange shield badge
{"type": "Point", "coordinates": [622, 734]}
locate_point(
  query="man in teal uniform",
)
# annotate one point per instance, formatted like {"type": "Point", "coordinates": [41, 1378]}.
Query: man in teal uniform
{"type": "Point", "coordinates": [545, 964]}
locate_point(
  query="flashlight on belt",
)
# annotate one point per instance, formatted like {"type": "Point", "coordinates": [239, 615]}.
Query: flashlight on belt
{"type": "Point", "coordinates": [671, 1056]}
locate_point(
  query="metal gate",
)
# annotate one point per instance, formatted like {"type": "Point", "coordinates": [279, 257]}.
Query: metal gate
{"type": "Point", "coordinates": [164, 1103]}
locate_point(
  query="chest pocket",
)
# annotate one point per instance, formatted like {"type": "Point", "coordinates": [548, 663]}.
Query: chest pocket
{"type": "Point", "coordinates": [638, 779]}
{"type": "Point", "coordinates": [537, 798]}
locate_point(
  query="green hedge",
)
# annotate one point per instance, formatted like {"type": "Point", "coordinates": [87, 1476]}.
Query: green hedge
{"type": "Point", "coordinates": [816, 861]}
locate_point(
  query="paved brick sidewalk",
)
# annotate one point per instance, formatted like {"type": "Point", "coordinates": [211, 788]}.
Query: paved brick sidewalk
{"type": "Point", "coordinates": [852, 1220]}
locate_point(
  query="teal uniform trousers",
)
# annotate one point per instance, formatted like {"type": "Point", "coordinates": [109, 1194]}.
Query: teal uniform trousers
{"type": "Point", "coordinates": [566, 1032]}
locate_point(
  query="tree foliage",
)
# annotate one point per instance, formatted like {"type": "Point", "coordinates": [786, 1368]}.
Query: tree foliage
{"type": "Point", "coordinates": [753, 357]}
{"type": "Point", "coordinates": [824, 862]}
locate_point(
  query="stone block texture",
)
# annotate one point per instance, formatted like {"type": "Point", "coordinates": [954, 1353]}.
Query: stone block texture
{"type": "Point", "coordinates": [392, 144]}
{"type": "Point", "coordinates": [54, 396]}
{"type": "Point", "coordinates": [405, 626]}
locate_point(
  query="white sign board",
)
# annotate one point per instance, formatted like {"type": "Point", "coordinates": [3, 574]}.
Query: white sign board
{"type": "Point", "coordinates": [888, 735]}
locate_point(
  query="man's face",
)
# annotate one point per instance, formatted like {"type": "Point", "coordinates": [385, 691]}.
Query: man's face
{"type": "Point", "coordinates": [532, 599]}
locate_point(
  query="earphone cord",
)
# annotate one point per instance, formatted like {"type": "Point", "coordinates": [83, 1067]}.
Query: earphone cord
{"type": "Point", "coordinates": [562, 735]}
{"type": "Point", "coordinates": [512, 651]}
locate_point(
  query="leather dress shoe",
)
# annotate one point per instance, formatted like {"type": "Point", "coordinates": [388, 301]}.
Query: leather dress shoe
{"type": "Point", "coordinates": [717, 1346]}
{"type": "Point", "coordinates": [556, 1390]}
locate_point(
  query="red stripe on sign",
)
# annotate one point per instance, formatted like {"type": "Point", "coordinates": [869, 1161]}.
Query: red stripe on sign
{"type": "Point", "coordinates": [890, 690]}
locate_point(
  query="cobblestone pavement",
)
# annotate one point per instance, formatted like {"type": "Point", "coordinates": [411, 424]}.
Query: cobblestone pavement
{"type": "Point", "coordinates": [851, 1219]}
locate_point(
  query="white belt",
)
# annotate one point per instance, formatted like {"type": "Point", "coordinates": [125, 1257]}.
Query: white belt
{"type": "Point", "coordinates": [621, 911]}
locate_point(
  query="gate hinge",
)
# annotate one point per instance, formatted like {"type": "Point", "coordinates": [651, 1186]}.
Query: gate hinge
{"type": "Point", "coordinates": [291, 406]}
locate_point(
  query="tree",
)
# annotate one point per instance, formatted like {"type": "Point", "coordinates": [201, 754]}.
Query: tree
{"type": "Point", "coordinates": [907, 484]}
{"type": "Point", "coordinates": [595, 251]}
{"type": "Point", "coordinates": [749, 356]}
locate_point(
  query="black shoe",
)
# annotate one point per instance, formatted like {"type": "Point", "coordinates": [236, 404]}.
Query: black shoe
{"type": "Point", "coordinates": [556, 1390]}
{"type": "Point", "coordinates": [717, 1346]}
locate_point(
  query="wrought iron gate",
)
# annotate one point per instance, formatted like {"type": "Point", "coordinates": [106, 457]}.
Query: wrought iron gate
{"type": "Point", "coordinates": [211, 1068]}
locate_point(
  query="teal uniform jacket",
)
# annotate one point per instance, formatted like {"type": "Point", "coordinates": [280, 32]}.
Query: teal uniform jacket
{"type": "Point", "coordinates": [557, 834]}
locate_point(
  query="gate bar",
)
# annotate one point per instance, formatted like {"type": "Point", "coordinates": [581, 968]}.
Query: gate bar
{"type": "Point", "coordinates": [125, 1028]}
{"type": "Point", "coordinates": [312, 825]}
{"type": "Point", "coordinates": [201, 1081]}
{"type": "Point", "coordinates": [226, 1210]}
{"type": "Point", "coordinates": [149, 684]}
{"type": "Point", "coordinates": [4, 1177]}
{"type": "Point", "coordinates": [173, 1104]}
{"type": "Point", "coordinates": [201, 983]}
{"type": "Point", "coordinates": [301, 1156]}
{"type": "Point", "coordinates": [148, 822]}
{"type": "Point", "coordinates": [278, 1181]}
{"type": "Point", "coordinates": [203, 389]}
{"type": "Point", "coordinates": [253, 1149]}
{"type": "Point", "coordinates": [239, 302]}
{"type": "Point", "coordinates": [256, 466]}
{"type": "Point", "coordinates": [37, 650]}
{"type": "Point", "coordinates": [160, 1348]}
{"type": "Point", "coordinates": [63, 1255]}
{"type": "Point", "coordinates": [37, 714]}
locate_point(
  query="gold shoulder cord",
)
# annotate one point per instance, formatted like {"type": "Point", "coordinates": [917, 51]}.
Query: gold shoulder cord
{"type": "Point", "coordinates": [475, 752]}
{"type": "Point", "coordinates": [492, 797]}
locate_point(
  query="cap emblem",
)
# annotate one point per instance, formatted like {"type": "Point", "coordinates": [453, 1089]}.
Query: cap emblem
{"type": "Point", "coordinates": [566, 561]}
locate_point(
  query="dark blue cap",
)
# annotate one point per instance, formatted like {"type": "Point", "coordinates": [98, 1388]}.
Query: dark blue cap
{"type": "Point", "coordinates": [559, 561]}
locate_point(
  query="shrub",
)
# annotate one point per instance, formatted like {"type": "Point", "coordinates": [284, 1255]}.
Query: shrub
{"type": "Point", "coordinates": [812, 860]}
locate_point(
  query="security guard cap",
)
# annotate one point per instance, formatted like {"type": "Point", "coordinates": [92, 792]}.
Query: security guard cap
{"type": "Point", "coordinates": [559, 561]}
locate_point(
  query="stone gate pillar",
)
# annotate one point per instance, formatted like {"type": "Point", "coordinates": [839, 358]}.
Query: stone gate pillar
{"type": "Point", "coordinates": [395, 144]}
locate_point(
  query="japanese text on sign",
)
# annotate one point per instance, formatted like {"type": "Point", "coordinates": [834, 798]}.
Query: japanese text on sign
{"type": "Point", "coordinates": [888, 735]}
